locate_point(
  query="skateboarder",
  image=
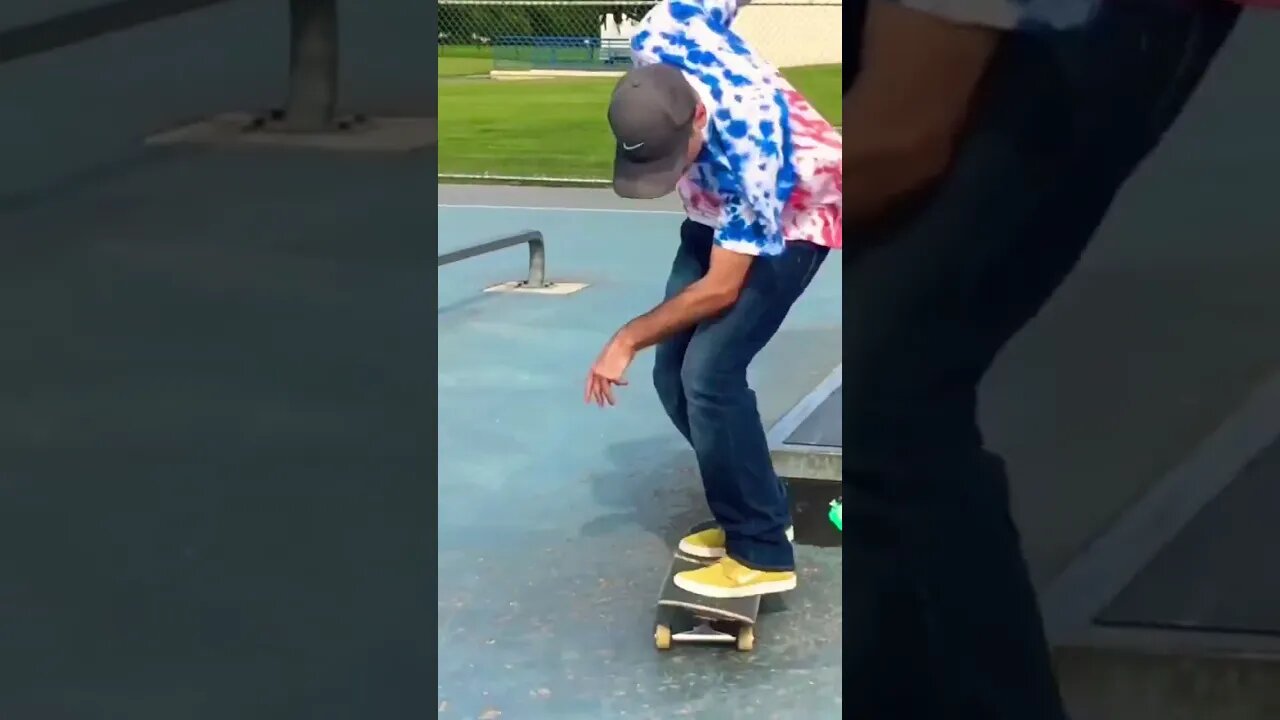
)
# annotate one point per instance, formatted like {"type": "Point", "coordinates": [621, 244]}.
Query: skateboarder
{"type": "Point", "coordinates": [759, 172]}
{"type": "Point", "coordinates": [1011, 138]}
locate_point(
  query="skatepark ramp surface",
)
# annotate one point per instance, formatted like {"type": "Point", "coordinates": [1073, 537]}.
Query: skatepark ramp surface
{"type": "Point", "coordinates": [558, 520]}
{"type": "Point", "coordinates": [207, 436]}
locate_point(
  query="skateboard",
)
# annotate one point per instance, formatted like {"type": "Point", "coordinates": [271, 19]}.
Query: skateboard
{"type": "Point", "coordinates": [686, 617]}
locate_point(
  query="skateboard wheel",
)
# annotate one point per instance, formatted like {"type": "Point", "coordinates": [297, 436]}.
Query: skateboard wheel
{"type": "Point", "coordinates": [746, 639]}
{"type": "Point", "coordinates": [662, 637]}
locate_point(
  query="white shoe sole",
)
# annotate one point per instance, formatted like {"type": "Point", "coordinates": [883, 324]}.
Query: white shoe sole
{"type": "Point", "coordinates": [743, 591]}
{"type": "Point", "coordinates": [715, 553]}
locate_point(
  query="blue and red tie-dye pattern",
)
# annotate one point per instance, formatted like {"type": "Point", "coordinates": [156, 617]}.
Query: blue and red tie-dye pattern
{"type": "Point", "coordinates": [770, 171]}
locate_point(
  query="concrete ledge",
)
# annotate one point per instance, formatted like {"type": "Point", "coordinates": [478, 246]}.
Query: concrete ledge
{"type": "Point", "coordinates": [813, 473]}
{"type": "Point", "coordinates": [809, 462]}
{"type": "Point", "coordinates": [1118, 685]}
{"type": "Point", "coordinates": [1076, 598]}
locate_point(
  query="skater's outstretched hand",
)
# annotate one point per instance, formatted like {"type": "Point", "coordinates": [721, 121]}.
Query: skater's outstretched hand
{"type": "Point", "coordinates": [608, 371]}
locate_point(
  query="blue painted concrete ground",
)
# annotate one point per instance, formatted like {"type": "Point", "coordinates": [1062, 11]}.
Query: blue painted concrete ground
{"type": "Point", "coordinates": [212, 498]}
{"type": "Point", "coordinates": [557, 519]}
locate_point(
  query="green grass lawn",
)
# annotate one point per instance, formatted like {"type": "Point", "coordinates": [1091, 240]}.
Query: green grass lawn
{"type": "Point", "coordinates": [463, 66]}
{"type": "Point", "coordinates": [554, 128]}
{"type": "Point", "coordinates": [462, 61]}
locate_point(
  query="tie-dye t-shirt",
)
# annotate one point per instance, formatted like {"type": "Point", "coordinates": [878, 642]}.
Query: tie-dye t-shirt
{"type": "Point", "coordinates": [770, 171]}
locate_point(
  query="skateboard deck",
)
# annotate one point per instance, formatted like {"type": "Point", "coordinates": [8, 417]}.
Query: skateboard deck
{"type": "Point", "coordinates": [686, 617]}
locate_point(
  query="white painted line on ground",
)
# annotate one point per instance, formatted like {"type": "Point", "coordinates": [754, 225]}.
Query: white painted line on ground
{"type": "Point", "coordinates": [556, 208]}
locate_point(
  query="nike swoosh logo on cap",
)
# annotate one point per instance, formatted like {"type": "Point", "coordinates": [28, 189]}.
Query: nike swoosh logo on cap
{"type": "Point", "coordinates": [629, 148]}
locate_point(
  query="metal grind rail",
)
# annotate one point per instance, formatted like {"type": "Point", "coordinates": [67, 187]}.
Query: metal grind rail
{"type": "Point", "coordinates": [537, 277]}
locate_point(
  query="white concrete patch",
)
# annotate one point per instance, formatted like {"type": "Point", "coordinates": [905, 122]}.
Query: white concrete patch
{"type": "Point", "coordinates": [387, 134]}
{"type": "Point", "coordinates": [560, 288]}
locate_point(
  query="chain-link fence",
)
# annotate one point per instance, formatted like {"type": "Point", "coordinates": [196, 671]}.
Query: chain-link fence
{"type": "Point", "coordinates": [553, 129]}
{"type": "Point", "coordinates": [568, 35]}
{"type": "Point", "coordinates": [536, 35]}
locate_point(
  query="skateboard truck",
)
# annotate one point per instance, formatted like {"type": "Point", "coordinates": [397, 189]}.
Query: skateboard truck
{"type": "Point", "coordinates": [686, 617]}
{"type": "Point", "coordinates": [705, 632]}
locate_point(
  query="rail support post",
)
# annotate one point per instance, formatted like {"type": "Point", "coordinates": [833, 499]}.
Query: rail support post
{"type": "Point", "coordinates": [313, 66]}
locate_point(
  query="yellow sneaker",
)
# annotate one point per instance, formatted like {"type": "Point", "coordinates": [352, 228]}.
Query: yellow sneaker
{"type": "Point", "coordinates": [729, 578]}
{"type": "Point", "coordinates": [709, 544]}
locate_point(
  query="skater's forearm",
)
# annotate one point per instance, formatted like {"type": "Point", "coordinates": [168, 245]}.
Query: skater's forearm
{"type": "Point", "coordinates": [696, 303]}
{"type": "Point", "coordinates": [705, 298]}
{"type": "Point", "coordinates": [908, 106]}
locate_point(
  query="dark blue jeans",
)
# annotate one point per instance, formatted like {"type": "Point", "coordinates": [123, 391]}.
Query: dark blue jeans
{"type": "Point", "coordinates": [701, 378]}
{"type": "Point", "coordinates": [940, 613]}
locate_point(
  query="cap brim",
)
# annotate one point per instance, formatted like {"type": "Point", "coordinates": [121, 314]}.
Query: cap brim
{"type": "Point", "coordinates": [647, 180]}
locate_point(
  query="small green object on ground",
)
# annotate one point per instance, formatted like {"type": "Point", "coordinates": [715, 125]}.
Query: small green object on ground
{"type": "Point", "coordinates": [836, 516]}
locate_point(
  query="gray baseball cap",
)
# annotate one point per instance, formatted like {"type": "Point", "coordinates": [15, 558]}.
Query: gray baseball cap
{"type": "Point", "coordinates": [651, 114]}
